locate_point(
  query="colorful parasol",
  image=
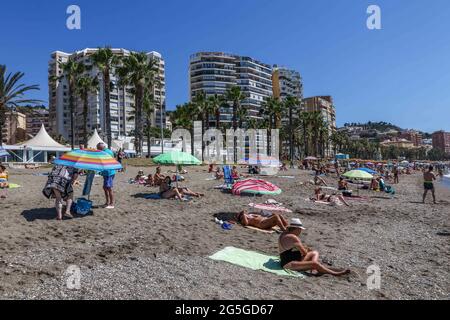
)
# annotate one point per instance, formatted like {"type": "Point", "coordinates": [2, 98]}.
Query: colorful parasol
{"type": "Point", "coordinates": [89, 159]}
{"type": "Point", "coordinates": [256, 187]}
{"type": "Point", "coordinates": [358, 174]}
{"type": "Point", "coordinates": [368, 170]}
{"type": "Point", "coordinates": [175, 158]}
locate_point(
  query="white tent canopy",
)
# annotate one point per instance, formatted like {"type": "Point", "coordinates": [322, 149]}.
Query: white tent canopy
{"type": "Point", "coordinates": [43, 141]}
{"type": "Point", "coordinates": [94, 140]}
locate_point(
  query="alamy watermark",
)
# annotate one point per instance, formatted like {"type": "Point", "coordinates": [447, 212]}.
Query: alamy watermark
{"type": "Point", "coordinates": [374, 19]}
{"type": "Point", "coordinates": [73, 22]}
{"type": "Point", "coordinates": [73, 277]}
{"type": "Point", "coordinates": [374, 277]}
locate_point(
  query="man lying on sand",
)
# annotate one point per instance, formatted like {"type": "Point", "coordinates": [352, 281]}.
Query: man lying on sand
{"type": "Point", "coordinates": [258, 221]}
{"type": "Point", "coordinates": [294, 256]}
{"type": "Point", "coordinates": [166, 191]}
{"type": "Point", "coordinates": [334, 199]}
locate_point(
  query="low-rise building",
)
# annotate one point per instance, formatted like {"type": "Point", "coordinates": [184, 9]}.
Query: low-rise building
{"type": "Point", "coordinates": [14, 129]}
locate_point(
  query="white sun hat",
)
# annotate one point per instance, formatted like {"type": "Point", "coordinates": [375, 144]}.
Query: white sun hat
{"type": "Point", "coordinates": [296, 223]}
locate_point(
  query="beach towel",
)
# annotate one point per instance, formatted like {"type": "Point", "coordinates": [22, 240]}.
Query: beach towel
{"type": "Point", "coordinates": [254, 261]}
{"type": "Point", "coordinates": [153, 196]}
{"type": "Point", "coordinates": [13, 186]}
{"type": "Point", "coordinates": [270, 231]}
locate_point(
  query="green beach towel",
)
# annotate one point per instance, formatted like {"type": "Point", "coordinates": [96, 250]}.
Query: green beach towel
{"type": "Point", "coordinates": [254, 261]}
{"type": "Point", "coordinates": [13, 186]}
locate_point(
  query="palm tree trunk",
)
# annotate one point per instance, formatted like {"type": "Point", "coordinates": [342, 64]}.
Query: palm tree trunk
{"type": "Point", "coordinates": [148, 137]}
{"type": "Point", "coordinates": [2, 122]}
{"type": "Point", "coordinates": [85, 111]}
{"type": "Point", "coordinates": [72, 114]}
{"type": "Point", "coordinates": [106, 94]}
{"type": "Point", "coordinates": [218, 118]}
{"type": "Point", "coordinates": [291, 139]}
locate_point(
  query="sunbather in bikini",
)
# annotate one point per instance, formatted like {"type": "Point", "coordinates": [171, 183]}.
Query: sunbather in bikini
{"type": "Point", "coordinates": [168, 192]}
{"type": "Point", "coordinates": [295, 256]}
{"type": "Point", "coordinates": [334, 199]}
{"type": "Point", "coordinates": [260, 222]}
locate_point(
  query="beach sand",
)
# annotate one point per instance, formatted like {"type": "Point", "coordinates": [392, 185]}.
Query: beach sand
{"type": "Point", "coordinates": [158, 249]}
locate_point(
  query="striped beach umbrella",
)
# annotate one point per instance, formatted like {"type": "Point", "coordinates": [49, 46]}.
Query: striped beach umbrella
{"type": "Point", "coordinates": [256, 187]}
{"type": "Point", "coordinates": [88, 159]}
{"type": "Point", "coordinates": [3, 152]}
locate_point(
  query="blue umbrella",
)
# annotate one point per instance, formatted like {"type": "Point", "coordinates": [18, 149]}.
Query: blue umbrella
{"type": "Point", "coordinates": [368, 170]}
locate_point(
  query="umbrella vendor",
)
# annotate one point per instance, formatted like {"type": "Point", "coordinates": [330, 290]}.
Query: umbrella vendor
{"type": "Point", "coordinates": [60, 187]}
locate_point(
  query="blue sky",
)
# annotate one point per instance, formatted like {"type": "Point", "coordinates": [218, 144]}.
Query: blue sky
{"type": "Point", "coordinates": [399, 74]}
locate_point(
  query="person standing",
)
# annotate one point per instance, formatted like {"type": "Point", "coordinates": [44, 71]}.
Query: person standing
{"type": "Point", "coordinates": [429, 177]}
{"type": "Point", "coordinates": [396, 173]}
{"type": "Point", "coordinates": [108, 179]}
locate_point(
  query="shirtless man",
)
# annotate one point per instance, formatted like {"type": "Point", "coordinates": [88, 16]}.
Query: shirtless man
{"type": "Point", "coordinates": [158, 178]}
{"type": "Point", "coordinates": [295, 256]}
{"type": "Point", "coordinates": [260, 222]}
{"type": "Point", "coordinates": [429, 177]}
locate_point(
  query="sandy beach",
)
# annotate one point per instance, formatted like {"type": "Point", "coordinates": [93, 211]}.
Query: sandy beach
{"type": "Point", "coordinates": [158, 249]}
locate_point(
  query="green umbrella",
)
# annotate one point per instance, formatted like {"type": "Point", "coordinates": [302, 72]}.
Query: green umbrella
{"type": "Point", "coordinates": [358, 174]}
{"type": "Point", "coordinates": [177, 158]}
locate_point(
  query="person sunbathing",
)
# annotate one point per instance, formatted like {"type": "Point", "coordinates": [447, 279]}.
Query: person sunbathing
{"type": "Point", "coordinates": [158, 178]}
{"type": "Point", "coordinates": [235, 173]}
{"type": "Point", "coordinates": [258, 221]}
{"type": "Point", "coordinates": [166, 191]}
{"type": "Point", "coordinates": [342, 184]}
{"type": "Point", "coordinates": [4, 185]}
{"type": "Point", "coordinates": [295, 256]}
{"type": "Point", "coordinates": [333, 199]}
{"type": "Point", "coordinates": [219, 174]}
{"type": "Point", "coordinates": [318, 181]}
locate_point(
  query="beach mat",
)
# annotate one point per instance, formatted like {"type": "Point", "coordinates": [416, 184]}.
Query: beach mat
{"type": "Point", "coordinates": [153, 196]}
{"type": "Point", "coordinates": [254, 261]}
{"type": "Point", "coordinates": [14, 186]}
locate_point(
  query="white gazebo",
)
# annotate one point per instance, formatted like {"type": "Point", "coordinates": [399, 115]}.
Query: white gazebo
{"type": "Point", "coordinates": [37, 149]}
{"type": "Point", "coordinates": [94, 140]}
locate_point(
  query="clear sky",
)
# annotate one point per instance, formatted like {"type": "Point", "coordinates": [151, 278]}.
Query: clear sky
{"type": "Point", "coordinates": [399, 74]}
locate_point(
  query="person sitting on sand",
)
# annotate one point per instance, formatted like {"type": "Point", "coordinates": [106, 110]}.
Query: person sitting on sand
{"type": "Point", "coordinates": [295, 256]}
{"type": "Point", "coordinates": [342, 184]}
{"type": "Point", "coordinates": [140, 177]}
{"type": "Point", "coordinates": [219, 174]}
{"type": "Point", "coordinates": [158, 178]}
{"type": "Point", "coordinates": [429, 177]}
{"type": "Point", "coordinates": [258, 221]}
{"type": "Point", "coordinates": [374, 185]}
{"type": "Point", "coordinates": [333, 199]}
{"type": "Point", "coordinates": [4, 185]}
{"type": "Point", "coordinates": [167, 191]}
{"type": "Point", "coordinates": [318, 181]}
{"type": "Point", "coordinates": [149, 182]}
{"type": "Point", "coordinates": [60, 186]}
{"type": "Point", "coordinates": [235, 173]}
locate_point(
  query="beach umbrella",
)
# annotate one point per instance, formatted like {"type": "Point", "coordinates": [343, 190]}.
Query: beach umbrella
{"type": "Point", "coordinates": [3, 152]}
{"type": "Point", "coordinates": [88, 159]}
{"type": "Point", "coordinates": [358, 174]}
{"type": "Point", "coordinates": [176, 158]}
{"type": "Point", "coordinates": [255, 187]}
{"type": "Point", "coordinates": [368, 170]}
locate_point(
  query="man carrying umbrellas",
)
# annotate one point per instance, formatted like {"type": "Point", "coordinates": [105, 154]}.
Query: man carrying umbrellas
{"type": "Point", "coordinates": [108, 179]}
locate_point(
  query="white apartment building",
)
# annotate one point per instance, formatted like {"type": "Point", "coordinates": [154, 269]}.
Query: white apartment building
{"type": "Point", "coordinates": [121, 100]}
{"type": "Point", "coordinates": [215, 72]}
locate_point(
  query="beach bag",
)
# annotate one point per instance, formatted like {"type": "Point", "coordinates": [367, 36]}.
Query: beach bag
{"type": "Point", "coordinates": [83, 206]}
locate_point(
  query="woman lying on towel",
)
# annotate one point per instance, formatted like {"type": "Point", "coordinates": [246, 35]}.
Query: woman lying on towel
{"type": "Point", "coordinates": [332, 199]}
{"type": "Point", "coordinates": [258, 221]}
{"type": "Point", "coordinates": [295, 256]}
{"type": "Point", "coordinates": [168, 192]}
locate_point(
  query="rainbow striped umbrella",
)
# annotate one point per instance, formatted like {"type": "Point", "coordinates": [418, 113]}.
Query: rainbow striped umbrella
{"type": "Point", "coordinates": [3, 152]}
{"type": "Point", "coordinates": [88, 159]}
{"type": "Point", "coordinates": [256, 187]}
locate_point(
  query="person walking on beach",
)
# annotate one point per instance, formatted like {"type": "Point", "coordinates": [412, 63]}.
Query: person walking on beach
{"type": "Point", "coordinates": [108, 179]}
{"type": "Point", "coordinates": [395, 172]}
{"type": "Point", "coordinates": [429, 177]}
{"type": "Point", "coordinates": [295, 256]}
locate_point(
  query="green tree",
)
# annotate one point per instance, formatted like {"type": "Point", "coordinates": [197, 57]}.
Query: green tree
{"type": "Point", "coordinates": [86, 85]}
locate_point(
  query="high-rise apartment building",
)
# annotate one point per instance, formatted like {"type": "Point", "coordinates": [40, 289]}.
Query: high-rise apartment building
{"type": "Point", "coordinates": [441, 141]}
{"type": "Point", "coordinates": [215, 72]}
{"type": "Point", "coordinates": [121, 100]}
{"type": "Point", "coordinates": [287, 83]}
{"type": "Point", "coordinates": [14, 129]}
{"type": "Point", "coordinates": [324, 105]}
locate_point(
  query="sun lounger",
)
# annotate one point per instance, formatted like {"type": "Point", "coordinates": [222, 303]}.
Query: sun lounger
{"type": "Point", "coordinates": [254, 261]}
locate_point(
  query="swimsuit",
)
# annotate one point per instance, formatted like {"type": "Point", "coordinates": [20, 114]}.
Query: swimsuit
{"type": "Point", "coordinates": [428, 185]}
{"type": "Point", "coordinates": [290, 256]}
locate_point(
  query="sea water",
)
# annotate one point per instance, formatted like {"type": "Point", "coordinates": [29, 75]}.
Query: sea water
{"type": "Point", "coordinates": [446, 181]}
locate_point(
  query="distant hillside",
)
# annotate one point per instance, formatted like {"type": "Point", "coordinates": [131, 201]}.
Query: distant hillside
{"type": "Point", "coordinates": [380, 126]}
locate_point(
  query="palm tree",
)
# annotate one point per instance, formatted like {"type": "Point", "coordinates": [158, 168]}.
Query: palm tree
{"type": "Point", "coordinates": [216, 102]}
{"type": "Point", "coordinates": [105, 60]}
{"type": "Point", "coordinates": [291, 102]}
{"type": "Point", "coordinates": [85, 86]}
{"type": "Point", "coordinates": [183, 117]}
{"type": "Point", "coordinates": [72, 71]}
{"type": "Point", "coordinates": [236, 96]}
{"type": "Point", "coordinates": [138, 71]}
{"type": "Point", "coordinates": [148, 109]}
{"type": "Point", "coordinates": [12, 94]}
{"type": "Point", "coordinates": [272, 109]}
